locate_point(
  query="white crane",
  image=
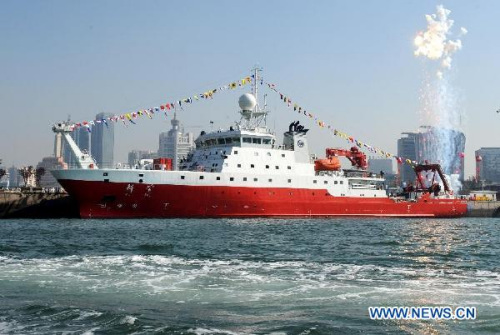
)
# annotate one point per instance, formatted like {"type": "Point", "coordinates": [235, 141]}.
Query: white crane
{"type": "Point", "coordinates": [83, 159]}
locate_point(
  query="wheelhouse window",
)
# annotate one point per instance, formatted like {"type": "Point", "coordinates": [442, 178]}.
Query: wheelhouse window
{"type": "Point", "coordinates": [229, 140]}
{"type": "Point", "coordinates": [221, 141]}
{"type": "Point", "coordinates": [247, 140]}
{"type": "Point", "coordinates": [266, 141]}
{"type": "Point", "coordinates": [256, 140]}
{"type": "Point", "coordinates": [236, 140]}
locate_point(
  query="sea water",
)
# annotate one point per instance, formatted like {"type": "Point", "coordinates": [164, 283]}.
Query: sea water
{"type": "Point", "coordinates": [245, 276]}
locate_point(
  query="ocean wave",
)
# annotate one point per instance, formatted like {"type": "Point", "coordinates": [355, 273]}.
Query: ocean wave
{"type": "Point", "coordinates": [185, 280]}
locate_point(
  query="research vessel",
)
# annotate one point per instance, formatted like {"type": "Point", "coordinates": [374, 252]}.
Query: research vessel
{"type": "Point", "coordinates": [243, 171]}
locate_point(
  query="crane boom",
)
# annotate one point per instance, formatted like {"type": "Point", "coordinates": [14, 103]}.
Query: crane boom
{"type": "Point", "coordinates": [83, 159]}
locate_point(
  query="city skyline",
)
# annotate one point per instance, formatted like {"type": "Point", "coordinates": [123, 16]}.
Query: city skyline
{"type": "Point", "coordinates": [86, 58]}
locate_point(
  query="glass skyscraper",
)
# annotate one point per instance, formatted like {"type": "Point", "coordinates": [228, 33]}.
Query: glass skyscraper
{"type": "Point", "coordinates": [103, 142]}
{"type": "Point", "coordinates": [488, 164]}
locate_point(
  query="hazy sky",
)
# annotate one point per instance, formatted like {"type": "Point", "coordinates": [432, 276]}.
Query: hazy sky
{"type": "Point", "coordinates": [349, 62]}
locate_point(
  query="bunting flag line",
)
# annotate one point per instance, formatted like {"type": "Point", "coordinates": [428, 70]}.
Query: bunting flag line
{"type": "Point", "coordinates": [150, 112]}
{"type": "Point", "coordinates": [362, 145]}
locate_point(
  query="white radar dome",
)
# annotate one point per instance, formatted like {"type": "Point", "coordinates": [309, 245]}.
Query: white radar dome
{"type": "Point", "coordinates": [247, 102]}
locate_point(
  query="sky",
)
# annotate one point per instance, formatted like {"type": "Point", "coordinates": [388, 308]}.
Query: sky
{"type": "Point", "coordinates": [351, 63]}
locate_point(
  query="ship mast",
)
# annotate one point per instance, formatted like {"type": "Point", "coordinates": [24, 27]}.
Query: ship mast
{"type": "Point", "coordinates": [255, 89]}
{"type": "Point", "coordinates": [253, 117]}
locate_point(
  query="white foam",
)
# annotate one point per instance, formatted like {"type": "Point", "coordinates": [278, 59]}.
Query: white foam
{"type": "Point", "coordinates": [205, 331]}
{"type": "Point", "coordinates": [128, 319]}
{"type": "Point", "coordinates": [180, 280]}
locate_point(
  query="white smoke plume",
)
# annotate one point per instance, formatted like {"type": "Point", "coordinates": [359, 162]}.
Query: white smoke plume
{"type": "Point", "coordinates": [435, 43]}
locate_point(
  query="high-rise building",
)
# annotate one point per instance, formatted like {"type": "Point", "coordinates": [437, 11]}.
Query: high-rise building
{"type": "Point", "coordinates": [175, 143]}
{"type": "Point", "coordinates": [488, 164]}
{"type": "Point", "coordinates": [103, 142]}
{"type": "Point", "coordinates": [407, 149]}
{"type": "Point", "coordinates": [443, 146]}
{"type": "Point", "coordinates": [135, 156]}
{"type": "Point", "coordinates": [380, 164]}
{"type": "Point", "coordinates": [14, 177]}
{"type": "Point", "coordinates": [432, 145]}
{"type": "Point", "coordinates": [49, 163]}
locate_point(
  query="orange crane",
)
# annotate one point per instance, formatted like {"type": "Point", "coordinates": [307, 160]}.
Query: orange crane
{"type": "Point", "coordinates": [332, 162]}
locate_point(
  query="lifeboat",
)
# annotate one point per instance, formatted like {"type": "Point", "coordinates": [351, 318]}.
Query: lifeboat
{"type": "Point", "coordinates": [327, 164]}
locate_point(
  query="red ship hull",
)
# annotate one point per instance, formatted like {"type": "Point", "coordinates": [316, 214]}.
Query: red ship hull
{"type": "Point", "coordinates": [123, 200]}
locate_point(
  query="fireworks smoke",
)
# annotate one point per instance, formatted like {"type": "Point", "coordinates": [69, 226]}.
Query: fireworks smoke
{"type": "Point", "coordinates": [434, 43]}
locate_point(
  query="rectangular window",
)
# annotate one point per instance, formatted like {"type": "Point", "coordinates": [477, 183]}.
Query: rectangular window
{"type": "Point", "coordinates": [335, 182]}
{"type": "Point", "coordinates": [341, 182]}
{"type": "Point", "coordinates": [315, 181]}
{"type": "Point", "coordinates": [236, 140]}
{"type": "Point", "coordinates": [229, 140]}
{"type": "Point", "coordinates": [247, 140]}
{"type": "Point", "coordinates": [239, 165]}
{"type": "Point", "coordinates": [289, 181]}
{"type": "Point", "coordinates": [267, 166]}
{"type": "Point", "coordinates": [141, 174]}
{"type": "Point", "coordinates": [277, 167]}
{"type": "Point", "coordinates": [266, 141]}
{"type": "Point", "coordinates": [252, 166]}
{"type": "Point", "coordinates": [270, 180]}
{"type": "Point", "coordinates": [221, 141]}
{"type": "Point", "coordinates": [105, 174]}
{"type": "Point", "coordinates": [282, 155]}
{"type": "Point", "coordinates": [256, 179]}
{"type": "Point", "coordinates": [244, 178]}
{"type": "Point", "coordinates": [202, 177]}
{"type": "Point", "coordinates": [182, 177]}
{"type": "Point", "coordinates": [256, 140]}
{"type": "Point", "coordinates": [231, 179]}
{"type": "Point", "coordinates": [218, 178]}
{"type": "Point", "coordinates": [235, 152]}
{"type": "Point", "coordinates": [106, 180]}
{"type": "Point", "coordinates": [289, 167]}
{"type": "Point", "coordinates": [326, 182]}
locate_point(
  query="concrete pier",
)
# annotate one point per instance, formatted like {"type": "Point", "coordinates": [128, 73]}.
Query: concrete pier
{"type": "Point", "coordinates": [483, 209]}
{"type": "Point", "coordinates": [37, 205]}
